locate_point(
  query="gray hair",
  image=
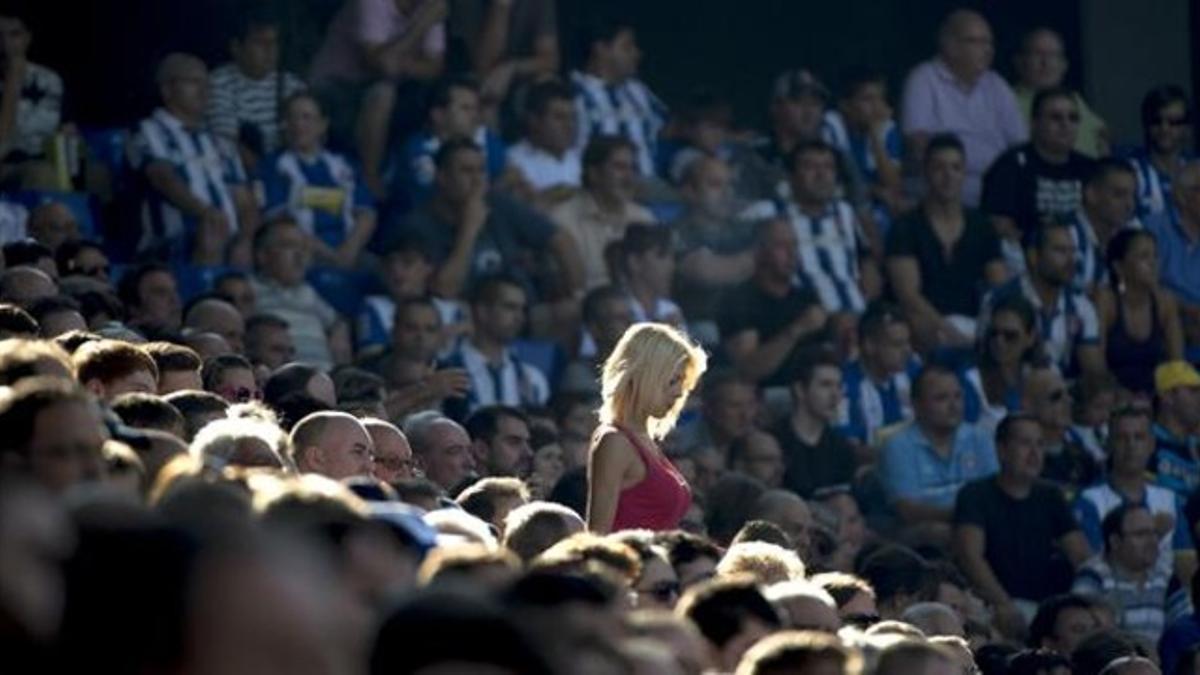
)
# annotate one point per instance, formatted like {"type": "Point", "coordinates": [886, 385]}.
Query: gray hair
{"type": "Point", "coordinates": [218, 442]}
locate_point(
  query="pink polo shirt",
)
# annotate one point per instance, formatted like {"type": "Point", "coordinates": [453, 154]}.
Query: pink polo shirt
{"type": "Point", "coordinates": [359, 25]}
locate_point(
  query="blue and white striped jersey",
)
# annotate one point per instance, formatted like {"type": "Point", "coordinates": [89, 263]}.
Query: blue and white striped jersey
{"type": "Point", "coordinates": [829, 249]}
{"type": "Point", "coordinates": [1153, 186]}
{"type": "Point", "coordinates": [321, 193]}
{"type": "Point", "coordinates": [199, 161]}
{"type": "Point", "coordinates": [628, 109]}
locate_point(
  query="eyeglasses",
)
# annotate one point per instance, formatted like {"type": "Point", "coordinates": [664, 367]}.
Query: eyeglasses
{"type": "Point", "coordinates": [241, 394]}
{"type": "Point", "coordinates": [1006, 334]}
{"type": "Point", "coordinates": [393, 463]}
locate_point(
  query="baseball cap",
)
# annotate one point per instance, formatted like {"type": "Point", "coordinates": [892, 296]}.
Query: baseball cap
{"type": "Point", "coordinates": [1174, 374]}
{"type": "Point", "coordinates": [797, 83]}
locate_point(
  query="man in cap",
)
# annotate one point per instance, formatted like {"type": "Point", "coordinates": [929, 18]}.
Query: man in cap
{"type": "Point", "coordinates": [1176, 443]}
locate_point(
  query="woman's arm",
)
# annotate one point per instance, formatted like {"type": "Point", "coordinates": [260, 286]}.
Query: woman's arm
{"type": "Point", "coordinates": [1172, 324]}
{"type": "Point", "coordinates": [608, 462]}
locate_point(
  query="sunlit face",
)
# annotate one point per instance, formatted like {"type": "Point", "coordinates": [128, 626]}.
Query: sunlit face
{"type": "Point", "coordinates": [658, 587]}
{"type": "Point", "coordinates": [393, 455]}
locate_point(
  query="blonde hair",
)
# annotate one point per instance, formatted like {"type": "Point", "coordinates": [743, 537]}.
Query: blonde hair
{"type": "Point", "coordinates": [644, 360]}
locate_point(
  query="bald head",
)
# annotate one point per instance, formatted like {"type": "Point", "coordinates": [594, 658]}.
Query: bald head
{"type": "Point", "coordinates": [207, 345]}
{"type": "Point", "coordinates": [24, 286]}
{"type": "Point", "coordinates": [183, 85]}
{"type": "Point", "coordinates": [332, 444]}
{"type": "Point", "coordinates": [965, 44]}
{"type": "Point", "coordinates": [178, 65]}
{"type": "Point", "coordinates": [393, 454]}
{"type": "Point", "coordinates": [214, 315]}
{"type": "Point", "coordinates": [791, 513]}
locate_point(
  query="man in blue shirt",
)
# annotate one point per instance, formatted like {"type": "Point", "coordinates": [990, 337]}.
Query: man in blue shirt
{"type": "Point", "coordinates": [453, 113]}
{"type": "Point", "coordinates": [923, 466]}
{"type": "Point", "coordinates": [1178, 233]}
{"type": "Point", "coordinates": [1176, 464]}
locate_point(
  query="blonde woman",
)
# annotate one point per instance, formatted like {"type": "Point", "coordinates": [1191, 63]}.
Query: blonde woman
{"type": "Point", "coordinates": [646, 379]}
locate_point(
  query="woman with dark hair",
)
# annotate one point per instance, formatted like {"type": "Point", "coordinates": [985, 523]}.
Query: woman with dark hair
{"type": "Point", "coordinates": [1166, 116]}
{"type": "Point", "coordinates": [1009, 344]}
{"type": "Point", "coordinates": [1139, 320]}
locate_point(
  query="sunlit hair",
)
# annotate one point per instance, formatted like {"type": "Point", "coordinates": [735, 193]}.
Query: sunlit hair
{"type": "Point", "coordinates": [642, 362]}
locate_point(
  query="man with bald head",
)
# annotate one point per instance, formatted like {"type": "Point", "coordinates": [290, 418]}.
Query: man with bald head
{"type": "Point", "coordinates": [214, 315]}
{"type": "Point", "coordinates": [958, 92]}
{"type": "Point", "coordinates": [24, 286]}
{"type": "Point", "coordinates": [393, 454]}
{"type": "Point", "coordinates": [195, 197]}
{"type": "Point", "coordinates": [52, 224]}
{"type": "Point", "coordinates": [791, 514]}
{"type": "Point", "coordinates": [333, 444]}
{"type": "Point", "coordinates": [441, 449]}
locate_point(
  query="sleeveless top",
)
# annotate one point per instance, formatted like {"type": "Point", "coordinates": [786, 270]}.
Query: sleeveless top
{"type": "Point", "coordinates": [658, 501]}
{"type": "Point", "coordinates": [1132, 361]}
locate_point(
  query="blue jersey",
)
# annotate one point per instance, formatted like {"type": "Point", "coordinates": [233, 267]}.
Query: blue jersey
{"type": "Point", "coordinates": [321, 193]}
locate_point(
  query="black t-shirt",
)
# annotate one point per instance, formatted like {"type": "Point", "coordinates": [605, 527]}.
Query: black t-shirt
{"type": "Point", "coordinates": [1024, 187]}
{"type": "Point", "coordinates": [810, 467]}
{"type": "Point", "coordinates": [747, 307]}
{"type": "Point", "coordinates": [1021, 535]}
{"type": "Point", "coordinates": [955, 285]}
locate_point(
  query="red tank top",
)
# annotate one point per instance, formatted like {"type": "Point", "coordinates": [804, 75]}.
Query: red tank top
{"type": "Point", "coordinates": [658, 501]}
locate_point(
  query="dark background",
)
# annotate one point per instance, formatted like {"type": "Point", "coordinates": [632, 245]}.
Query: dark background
{"type": "Point", "coordinates": [107, 50]}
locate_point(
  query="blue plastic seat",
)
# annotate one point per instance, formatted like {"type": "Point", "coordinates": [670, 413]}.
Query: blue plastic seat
{"type": "Point", "coordinates": [81, 204]}
{"type": "Point", "coordinates": [344, 290]}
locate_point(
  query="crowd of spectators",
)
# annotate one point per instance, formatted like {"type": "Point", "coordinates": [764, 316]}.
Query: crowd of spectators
{"type": "Point", "coordinates": [324, 397]}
